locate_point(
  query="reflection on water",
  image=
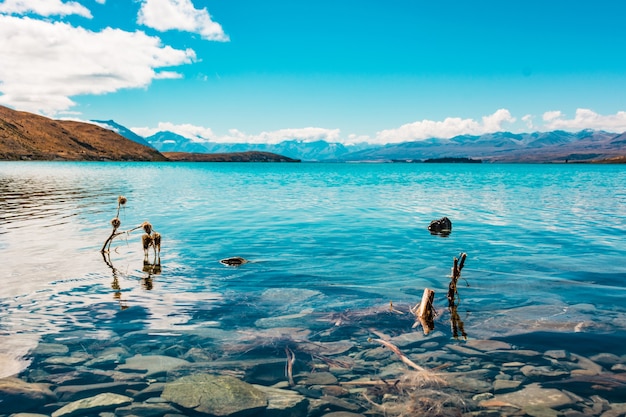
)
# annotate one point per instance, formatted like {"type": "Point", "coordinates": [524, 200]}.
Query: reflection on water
{"type": "Point", "coordinates": [327, 247]}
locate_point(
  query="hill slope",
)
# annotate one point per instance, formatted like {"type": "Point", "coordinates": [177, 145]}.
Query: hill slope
{"type": "Point", "coordinates": [27, 136]}
{"type": "Point", "coordinates": [248, 156]}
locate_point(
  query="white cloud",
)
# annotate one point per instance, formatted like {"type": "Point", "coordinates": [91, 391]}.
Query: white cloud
{"type": "Point", "coordinates": [552, 115]}
{"type": "Point", "coordinates": [43, 64]}
{"type": "Point", "coordinates": [164, 15]}
{"type": "Point", "coordinates": [448, 128]}
{"type": "Point", "coordinates": [203, 134]}
{"type": "Point", "coordinates": [307, 134]}
{"type": "Point", "coordinates": [528, 119]}
{"type": "Point", "coordinates": [196, 133]}
{"type": "Point", "coordinates": [44, 8]}
{"type": "Point", "coordinates": [585, 119]}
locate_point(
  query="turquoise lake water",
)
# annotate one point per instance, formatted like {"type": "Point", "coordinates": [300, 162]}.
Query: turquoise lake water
{"type": "Point", "coordinates": [545, 244]}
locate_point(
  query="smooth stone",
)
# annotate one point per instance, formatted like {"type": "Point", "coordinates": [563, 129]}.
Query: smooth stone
{"type": "Point", "coordinates": [342, 414]}
{"type": "Point", "coordinates": [607, 359]}
{"type": "Point", "coordinates": [66, 360]}
{"type": "Point", "coordinates": [338, 404]}
{"type": "Point", "coordinates": [465, 351]}
{"type": "Point", "coordinates": [67, 393]}
{"type": "Point", "coordinates": [318, 378]}
{"type": "Point", "coordinates": [79, 376]}
{"type": "Point", "coordinates": [482, 396]}
{"type": "Point", "coordinates": [488, 345]}
{"type": "Point", "coordinates": [537, 411]}
{"type": "Point", "coordinates": [534, 395]}
{"type": "Point", "coordinates": [557, 354]}
{"type": "Point", "coordinates": [145, 410]}
{"type": "Point", "coordinates": [19, 396]}
{"type": "Point", "coordinates": [216, 395]}
{"type": "Point", "coordinates": [513, 364]}
{"type": "Point", "coordinates": [541, 371]}
{"type": "Point", "coordinates": [588, 366]}
{"type": "Point", "coordinates": [467, 384]}
{"type": "Point", "coordinates": [407, 340]}
{"type": "Point", "coordinates": [326, 348]}
{"type": "Point", "coordinates": [619, 367]}
{"type": "Point", "coordinates": [108, 359]}
{"type": "Point", "coordinates": [93, 405]}
{"type": "Point", "coordinates": [50, 349]}
{"type": "Point", "coordinates": [284, 403]}
{"type": "Point", "coordinates": [502, 385]}
{"type": "Point", "coordinates": [153, 390]}
{"type": "Point", "coordinates": [152, 364]}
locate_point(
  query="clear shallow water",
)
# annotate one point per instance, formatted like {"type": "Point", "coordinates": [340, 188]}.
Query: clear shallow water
{"type": "Point", "coordinates": [545, 246]}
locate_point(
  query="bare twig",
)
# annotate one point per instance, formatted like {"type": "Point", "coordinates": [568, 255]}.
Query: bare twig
{"type": "Point", "coordinates": [401, 355]}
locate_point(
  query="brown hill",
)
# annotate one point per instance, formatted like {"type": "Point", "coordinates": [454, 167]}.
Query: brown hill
{"type": "Point", "coordinates": [248, 156]}
{"type": "Point", "coordinates": [27, 136]}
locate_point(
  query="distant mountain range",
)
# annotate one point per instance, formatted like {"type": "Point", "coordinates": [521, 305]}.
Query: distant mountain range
{"type": "Point", "coordinates": [554, 146]}
{"type": "Point", "coordinates": [25, 136]}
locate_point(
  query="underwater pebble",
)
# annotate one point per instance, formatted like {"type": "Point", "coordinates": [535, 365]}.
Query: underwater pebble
{"type": "Point", "coordinates": [535, 395]}
{"type": "Point", "coordinates": [50, 349]}
{"type": "Point", "coordinates": [93, 405]}
{"type": "Point", "coordinates": [488, 345]}
{"type": "Point", "coordinates": [151, 364]}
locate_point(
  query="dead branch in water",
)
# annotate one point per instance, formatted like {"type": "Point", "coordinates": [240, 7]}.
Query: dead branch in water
{"type": "Point", "coordinates": [150, 239]}
{"type": "Point", "coordinates": [456, 274]}
{"type": "Point", "coordinates": [401, 355]}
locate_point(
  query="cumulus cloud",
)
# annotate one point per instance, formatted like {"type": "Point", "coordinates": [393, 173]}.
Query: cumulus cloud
{"type": "Point", "coordinates": [528, 119]}
{"type": "Point", "coordinates": [448, 128]}
{"type": "Point", "coordinates": [552, 115]}
{"type": "Point", "coordinates": [203, 134]}
{"type": "Point", "coordinates": [195, 133]}
{"type": "Point", "coordinates": [585, 119]}
{"type": "Point", "coordinates": [43, 63]}
{"type": "Point", "coordinates": [164, 15]}
{"type": "Point", "coordinates": [44, 8]}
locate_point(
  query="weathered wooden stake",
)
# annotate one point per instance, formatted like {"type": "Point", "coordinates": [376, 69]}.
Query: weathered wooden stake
{"type": "Point", "coordinates": [425, 312]}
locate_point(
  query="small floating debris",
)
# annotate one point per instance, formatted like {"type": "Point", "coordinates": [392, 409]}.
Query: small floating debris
{"type": "Point", "coordinates": [234, 261]}
{"type": "Point", "coordinates": [441, 227]}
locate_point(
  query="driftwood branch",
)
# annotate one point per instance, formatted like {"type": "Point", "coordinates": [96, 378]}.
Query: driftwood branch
{"type": "Point", "coordinates": [401, 355]}
{"type": "Point", "coordinates": [456, 274]}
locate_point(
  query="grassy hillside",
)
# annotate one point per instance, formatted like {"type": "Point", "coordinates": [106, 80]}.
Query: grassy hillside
{"type": "Point", "coordinates": [27, 136]}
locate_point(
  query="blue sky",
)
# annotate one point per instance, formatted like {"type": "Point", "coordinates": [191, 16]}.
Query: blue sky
{"type": "Point", "coordinates": [343, 71]}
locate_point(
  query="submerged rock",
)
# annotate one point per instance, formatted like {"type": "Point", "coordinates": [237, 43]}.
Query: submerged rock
{"type": "Point", "coordinates": [152, 364]}
{"type": "Point", "coordinates": [442, 227]}
{"type": "Point", "coordinates": [18, 396]}
{"type": "Point", "coordinates": [533, 395]}
{"type": "Point", "coordinates": [93, 405]}
{"type": "Point", "coordinates": [284, 403]}
{"type": "Point", "coordinates": [215, 395]}
{"type": "Point", "coordinates": [234, 261]}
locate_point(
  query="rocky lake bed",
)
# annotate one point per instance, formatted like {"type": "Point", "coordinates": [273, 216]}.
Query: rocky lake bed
{"type": "Point", "coordinates": [336, 366]}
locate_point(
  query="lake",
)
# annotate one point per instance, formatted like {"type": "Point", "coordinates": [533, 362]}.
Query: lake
{"type": "Point", "coordinates": [338, 256]}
